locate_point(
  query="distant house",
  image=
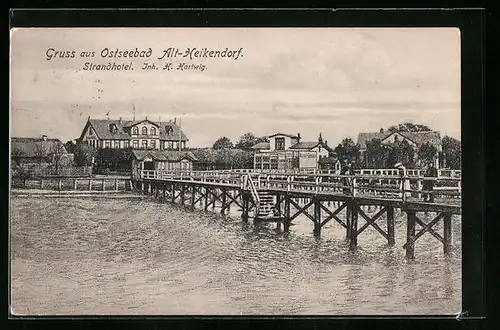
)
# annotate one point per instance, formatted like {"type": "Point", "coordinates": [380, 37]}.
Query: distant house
{"type": "Point", "coordinates": [137, 134]}
{"type": "Point", "coordinates": [286, 151]}
{"type": "Point", "coordinates": [331, 163]}
{"type": "Point", "coordinates": [414, 139]}
{"type": "Point", "coordinates": [164, 160]}
{"type": "Point", "coordinates": [26, 152]}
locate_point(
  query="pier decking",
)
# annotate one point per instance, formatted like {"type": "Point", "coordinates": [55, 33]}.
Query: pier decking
{"type": "Point", "coordinates": [282, 197]}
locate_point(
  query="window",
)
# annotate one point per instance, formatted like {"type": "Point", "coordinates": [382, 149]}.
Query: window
{"type": "Point", "coordinates": [126, 144]}
{"type": "Point", "coordinates": [144, 144]}
{"type": "Point", "coordinates": [274, 163]}
{"type": "Point", "coordinates": [153, 144]}
{"type": "Point", "coordinates": [113, 128]}
{"type": "Point", "coordinates": [176, 145]}
{"type": "Point", "coordinates": [280, 143]}
{"type": "Point", "coordinates": [135, 144]}
{"type": "Point", "coordinates": [144, 130]}
{"type": "Point", "coordinates": [117, 144]}
{"type": "Point", "coordinates": [169, 130]}
{"type": "Point", "coordinates": [153, 131]}
{"type": "Point", "coordinates": [170, 145]}
{"type": "Point", "coordinates": [135, 130]}
{"type": "Point", "coordinates": [91, 131]}
{"type": "Point", "coordinates": [107, 144]}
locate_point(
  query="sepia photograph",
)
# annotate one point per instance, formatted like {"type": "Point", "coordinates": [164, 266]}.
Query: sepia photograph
{"type": "Point", "coordinates": [235, 171]}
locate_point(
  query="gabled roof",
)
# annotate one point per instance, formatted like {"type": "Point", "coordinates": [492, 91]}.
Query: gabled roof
{"type": "Point", "coordinates": [288, 135]}
{"type": "Point", "coordinates": [164, 155]}
{"type": "Point", "coordinates": [101, 128]}
{"type": "Point", "coordinates": [261, 146]}
{"type": "Point", "coordinates": [308, 145]}
{"type": "Point", "coordinates": [35, 147]}
{"type": "Point", "coordinates": [418, 137]}
{"type": "Point", "coordinates": [135, 122]}
{"type": "Point", "coordinates": [174, 134]}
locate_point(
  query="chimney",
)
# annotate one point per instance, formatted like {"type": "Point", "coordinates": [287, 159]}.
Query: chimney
{"type": "Point", "coordinates": [44, 137]}
{"type": "Point", "coordinates": [120, 120]}
{"type": "Point", "coordinates": [298, 137]}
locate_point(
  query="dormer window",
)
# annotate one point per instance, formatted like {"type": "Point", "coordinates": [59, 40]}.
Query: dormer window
{"type": "Point", "coordinates": [113, 128]}
{"type": "Point", "coordinates": [135, 130]}
{"type": "Point", "coordinates": [280, 143]}
{"type": "Point", "coordinates": [144, 130]}
{"type": "Point", "coordinates": [153, 131]}
{"type": "Point", "coordinates": [169, 130]}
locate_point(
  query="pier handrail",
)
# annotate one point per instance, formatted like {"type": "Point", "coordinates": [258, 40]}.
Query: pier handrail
{"type": "Point", "coordinates": [358, 185]}
{"type": "Point", "coordinates": [253, 190]}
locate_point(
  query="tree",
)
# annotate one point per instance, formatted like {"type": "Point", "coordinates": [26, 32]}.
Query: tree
{"type": "Point", "coordinates": [84, 154]}
{"type": "Point", "coordinates": [248, 140]}
{"type": "Point", "coordinates": [347, 150]}
{"type": "Point", "coordinates": [376, 154]}
{"type": "Point", "coordinates": [409, 127]}
{"type": "Point", "coordinates": [15, 154]}
{"type": "Point", "coordinates": [223, 143]}
{"type": "Point", "coordinates": [401, 152]}
{"type": "Point", "coordinates": [452, 151]}
{"type": "Point", "coordinates": [57, 152]}
{"type": "Point", "coordinates": [40, 151]}
{"type": "Point", "coordinates": [426, 152]}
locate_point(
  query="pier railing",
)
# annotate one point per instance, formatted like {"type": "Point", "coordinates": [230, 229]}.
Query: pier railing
{"type": "Point", "coordinates": [384, 186]}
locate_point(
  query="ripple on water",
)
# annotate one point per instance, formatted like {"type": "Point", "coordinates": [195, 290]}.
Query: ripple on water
{"type": "Point", "coordinates": [121, 256]}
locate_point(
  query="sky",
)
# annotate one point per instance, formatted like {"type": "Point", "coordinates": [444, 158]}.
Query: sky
{"type": "Point", "coordinates": [337, 81]}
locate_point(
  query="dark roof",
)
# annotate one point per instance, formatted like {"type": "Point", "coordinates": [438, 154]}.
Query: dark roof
{"type": "Point", "coordinates": [328, 160]}
{"type": "Point", "coordinates": [101, 127]}
{"type": "Point", "coordinates": [262, 145]}
{"type": "Point", "coordinates": [288, 135]}
{"type": "Point", "coordinates": [35, 147]}
{"type": "Point", "coordinates": [418, 137]}
{"type": "Point", "coordinates": [209, 155]}
{"type": "Point", "coordinates": [164, 155]}
{"type": "Point", "coordinates": [308, 145]}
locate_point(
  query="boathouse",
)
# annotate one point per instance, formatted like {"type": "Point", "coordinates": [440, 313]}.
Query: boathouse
{"type": "Point", "coordinates": [288, 152]}
{"type": "Point", "coordinates": [163, 160]}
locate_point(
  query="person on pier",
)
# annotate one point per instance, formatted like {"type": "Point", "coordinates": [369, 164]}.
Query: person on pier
{"type": "Point", "coordinates": [428, 185]}
{"type": "Point", "coordinates": [346, 181]}
{"type": "Point", "coordinates": [404, 185]}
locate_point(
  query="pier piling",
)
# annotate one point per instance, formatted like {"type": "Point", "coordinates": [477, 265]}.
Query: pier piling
{"type": "Point", "coordinates": [447, 233]}
{"type": "Point", "coordinates": [390, 225]}
{"type": "Point", "coordinates": [223, 192]}
{"type": "Point", "coordinates": [410, 235]}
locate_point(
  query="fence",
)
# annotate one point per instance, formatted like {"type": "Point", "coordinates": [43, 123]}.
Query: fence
{"type": "Point", "coordinates": [47, 172]}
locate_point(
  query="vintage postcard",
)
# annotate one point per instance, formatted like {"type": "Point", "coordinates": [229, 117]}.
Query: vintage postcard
{"type": "Point", "coordinates": [235, 171]}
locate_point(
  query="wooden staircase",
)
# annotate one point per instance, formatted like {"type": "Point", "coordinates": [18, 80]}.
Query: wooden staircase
{"type": "Point", "coordinates": [264, 200]}
{"type": "Point", "coordinates": [266, 204]}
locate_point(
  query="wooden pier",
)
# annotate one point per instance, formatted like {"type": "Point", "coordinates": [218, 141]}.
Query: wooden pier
{"type": "Point", "coordinates": [281, 198]}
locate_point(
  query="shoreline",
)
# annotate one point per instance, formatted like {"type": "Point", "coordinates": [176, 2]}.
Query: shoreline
{"type": "Point", "coordinates": [20, 192]}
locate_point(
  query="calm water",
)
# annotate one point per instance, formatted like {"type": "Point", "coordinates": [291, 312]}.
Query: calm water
{"type": "Point", "coordinates": [138, 256]}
